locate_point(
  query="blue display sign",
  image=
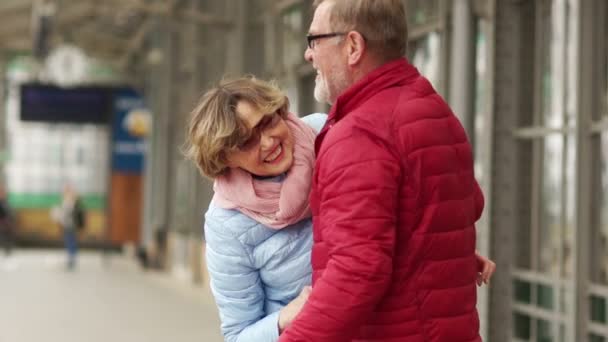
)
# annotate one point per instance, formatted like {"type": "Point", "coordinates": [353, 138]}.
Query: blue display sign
{"type": "Point", "coordinates": [47, 103]}
{"type": "Point", "coordinates": [130, 125]}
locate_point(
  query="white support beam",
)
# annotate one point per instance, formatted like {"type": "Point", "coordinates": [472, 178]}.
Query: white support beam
{"type": "Point", "coordinates": [599, 126]}
{"type": "Point", "coordinates": [598, 290]}
{"type": "Point", "coordinates": [598, 329]}
{"type": "Point", "coordinates": [539, 132]}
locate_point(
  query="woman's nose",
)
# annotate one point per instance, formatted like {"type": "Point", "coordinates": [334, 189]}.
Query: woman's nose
{"type": "Point", "coordinates": [266, 140]}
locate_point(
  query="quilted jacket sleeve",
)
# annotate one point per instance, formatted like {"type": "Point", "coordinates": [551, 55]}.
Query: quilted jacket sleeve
{"type": "Point", "coordinates": [479, 201]}
{"type": "Point", "coordinates": [358, 193]}
{"type": "Point", "coordinates": [237, 288]}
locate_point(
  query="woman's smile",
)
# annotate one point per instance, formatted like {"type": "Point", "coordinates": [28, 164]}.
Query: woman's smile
{"type": "Point", "coordinates": [276, 155]}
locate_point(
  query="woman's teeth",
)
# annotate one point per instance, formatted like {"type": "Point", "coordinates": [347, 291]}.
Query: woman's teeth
{"type": "Point", "coordinates": [274, 154]}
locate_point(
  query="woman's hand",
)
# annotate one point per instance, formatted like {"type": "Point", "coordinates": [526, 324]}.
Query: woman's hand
{"type": "Point", "coordinates": [485, 269]}
{"type": "Point", "coordinates": [291, 310]}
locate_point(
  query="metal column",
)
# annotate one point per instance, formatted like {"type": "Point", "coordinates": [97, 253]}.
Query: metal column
{"type": "Point", "coordinates": [157, 171]}
{"type": "Point", "coordinates": [462, 63]}
{"type": "Point", "coordinates": [512, 87]}
{"type": "Point", "coordinates": [588, 35]}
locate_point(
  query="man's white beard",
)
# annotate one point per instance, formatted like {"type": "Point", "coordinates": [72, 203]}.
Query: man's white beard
{"type": "Point", "coordinates": [321, 92]}
{"type": "Point", "coordinates": [340, 83]}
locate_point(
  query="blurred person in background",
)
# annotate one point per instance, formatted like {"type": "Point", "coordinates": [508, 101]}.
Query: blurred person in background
{"type": "Point", "coordinates": [394, 197]}
{"type": "Point", "coordinates": [258, 227]}
{"type": "Point", "coordinates": [7, 223]}
{"type": "Point", "coordinates": [69, 214]}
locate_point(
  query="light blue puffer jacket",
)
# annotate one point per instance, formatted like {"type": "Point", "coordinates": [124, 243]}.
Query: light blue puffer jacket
{"type": "Point", "coordinates": [256, 270]}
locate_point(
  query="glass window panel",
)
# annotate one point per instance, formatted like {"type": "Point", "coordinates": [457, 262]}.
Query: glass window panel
{"type": "Point", "coordinates": [482, 133]}
{"type": "Point", "coordinates": [551, 208]}
{"type": "Point", "coordinates": [568, 235]}
{"type": "Point", "coordinates": [481, 99]}
{"type": "Point", "coordinates": [293, 37]}
{"type": "Point", "coordinates": [306, 99]}
{"type": "Point", "coordinates": [523, 291]}
{"type": "Point", "coordinates": [522, 325]}
{"type": "Point", "coordinates": [544, 297]}
{"type": "Point", "coordinates": [553, 82]}
{"type": "Point", "coordinates": [571, 55]}
{"type": "Point", "coordinates": [565, 301]}
{"type": "Point", "coordinates": [600, 242]}
{"type": "Point", "coordinates": [598, 309]}
{"type": "Point", "coordinates": [544, 331]}
{"type": "Point", "coordinates": [422, 12]}
{"type": "Point", "coordinates": [546, 83]}
{"type": "Point", "coordinates": [524, 247]}
{"type": "Point", "coordinates": [605, 97]}
{"type": "Point", "coordinates": [425, 55]}
{"type": "Point", "coordinates": [596, 338]}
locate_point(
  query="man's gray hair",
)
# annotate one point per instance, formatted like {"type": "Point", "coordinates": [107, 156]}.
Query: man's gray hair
{"type": "Point", "coordinates": [383, 23]}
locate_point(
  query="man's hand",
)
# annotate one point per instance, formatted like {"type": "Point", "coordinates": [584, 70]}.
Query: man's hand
{"type": "Point", "coordinates": [291, 310]}
{"type": "Point", "coordinates": [485, 267]}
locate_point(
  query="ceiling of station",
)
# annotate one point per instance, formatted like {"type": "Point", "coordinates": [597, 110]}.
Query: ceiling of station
{"type": "Point", "coordinates": [112, 30]}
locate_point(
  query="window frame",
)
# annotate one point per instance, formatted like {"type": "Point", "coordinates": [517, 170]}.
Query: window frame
{"type": "Point", "coordinates": [597, 127]}
{"type": "Point", "coordinates": [437, 24]}
{"type": "Point", "coordinates": [536, 131]}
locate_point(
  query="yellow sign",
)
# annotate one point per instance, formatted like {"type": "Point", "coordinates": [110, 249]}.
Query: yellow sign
{"type": "Point", "coordinates": [138, 123]}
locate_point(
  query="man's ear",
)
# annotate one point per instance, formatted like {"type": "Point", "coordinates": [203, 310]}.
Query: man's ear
{"type": "Point", "coordinates": [356, 46]}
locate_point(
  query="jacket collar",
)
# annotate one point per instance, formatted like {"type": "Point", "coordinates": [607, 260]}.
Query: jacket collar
{"type": "Point", "coordinates": [394, 73]}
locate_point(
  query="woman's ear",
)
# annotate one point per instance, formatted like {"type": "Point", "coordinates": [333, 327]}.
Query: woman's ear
{"type": "Point", "coordinates": [228, 161]}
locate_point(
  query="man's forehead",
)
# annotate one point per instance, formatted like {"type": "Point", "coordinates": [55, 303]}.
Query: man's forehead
{"type": "Point", "coordinates": [320, 20]}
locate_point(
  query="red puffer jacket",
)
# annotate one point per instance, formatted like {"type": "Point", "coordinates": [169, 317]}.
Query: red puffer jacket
{"type": "Point", "coordinates": [394, 205]}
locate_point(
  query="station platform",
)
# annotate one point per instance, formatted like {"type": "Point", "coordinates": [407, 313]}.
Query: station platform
{"type": "Point", "coordinates": [108, 297]}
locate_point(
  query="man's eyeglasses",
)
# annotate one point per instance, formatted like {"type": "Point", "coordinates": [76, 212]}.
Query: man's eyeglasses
{"type": "Point", "coordinates": [312, 37]}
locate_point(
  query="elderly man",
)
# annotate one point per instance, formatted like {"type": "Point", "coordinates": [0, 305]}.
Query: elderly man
{"type": "Point", "coordinates": [394, 197]}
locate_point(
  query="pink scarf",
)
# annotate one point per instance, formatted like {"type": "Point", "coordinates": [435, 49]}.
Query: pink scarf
{"type": "Point", "coordinates": [273, 204]}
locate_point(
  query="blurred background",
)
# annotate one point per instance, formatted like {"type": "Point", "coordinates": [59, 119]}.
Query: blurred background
{"type": "Point", "coordinates": [96, 95]}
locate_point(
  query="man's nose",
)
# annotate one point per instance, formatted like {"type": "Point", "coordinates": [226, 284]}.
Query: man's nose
{"type": "Point", "coordinates": [308, 54]}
